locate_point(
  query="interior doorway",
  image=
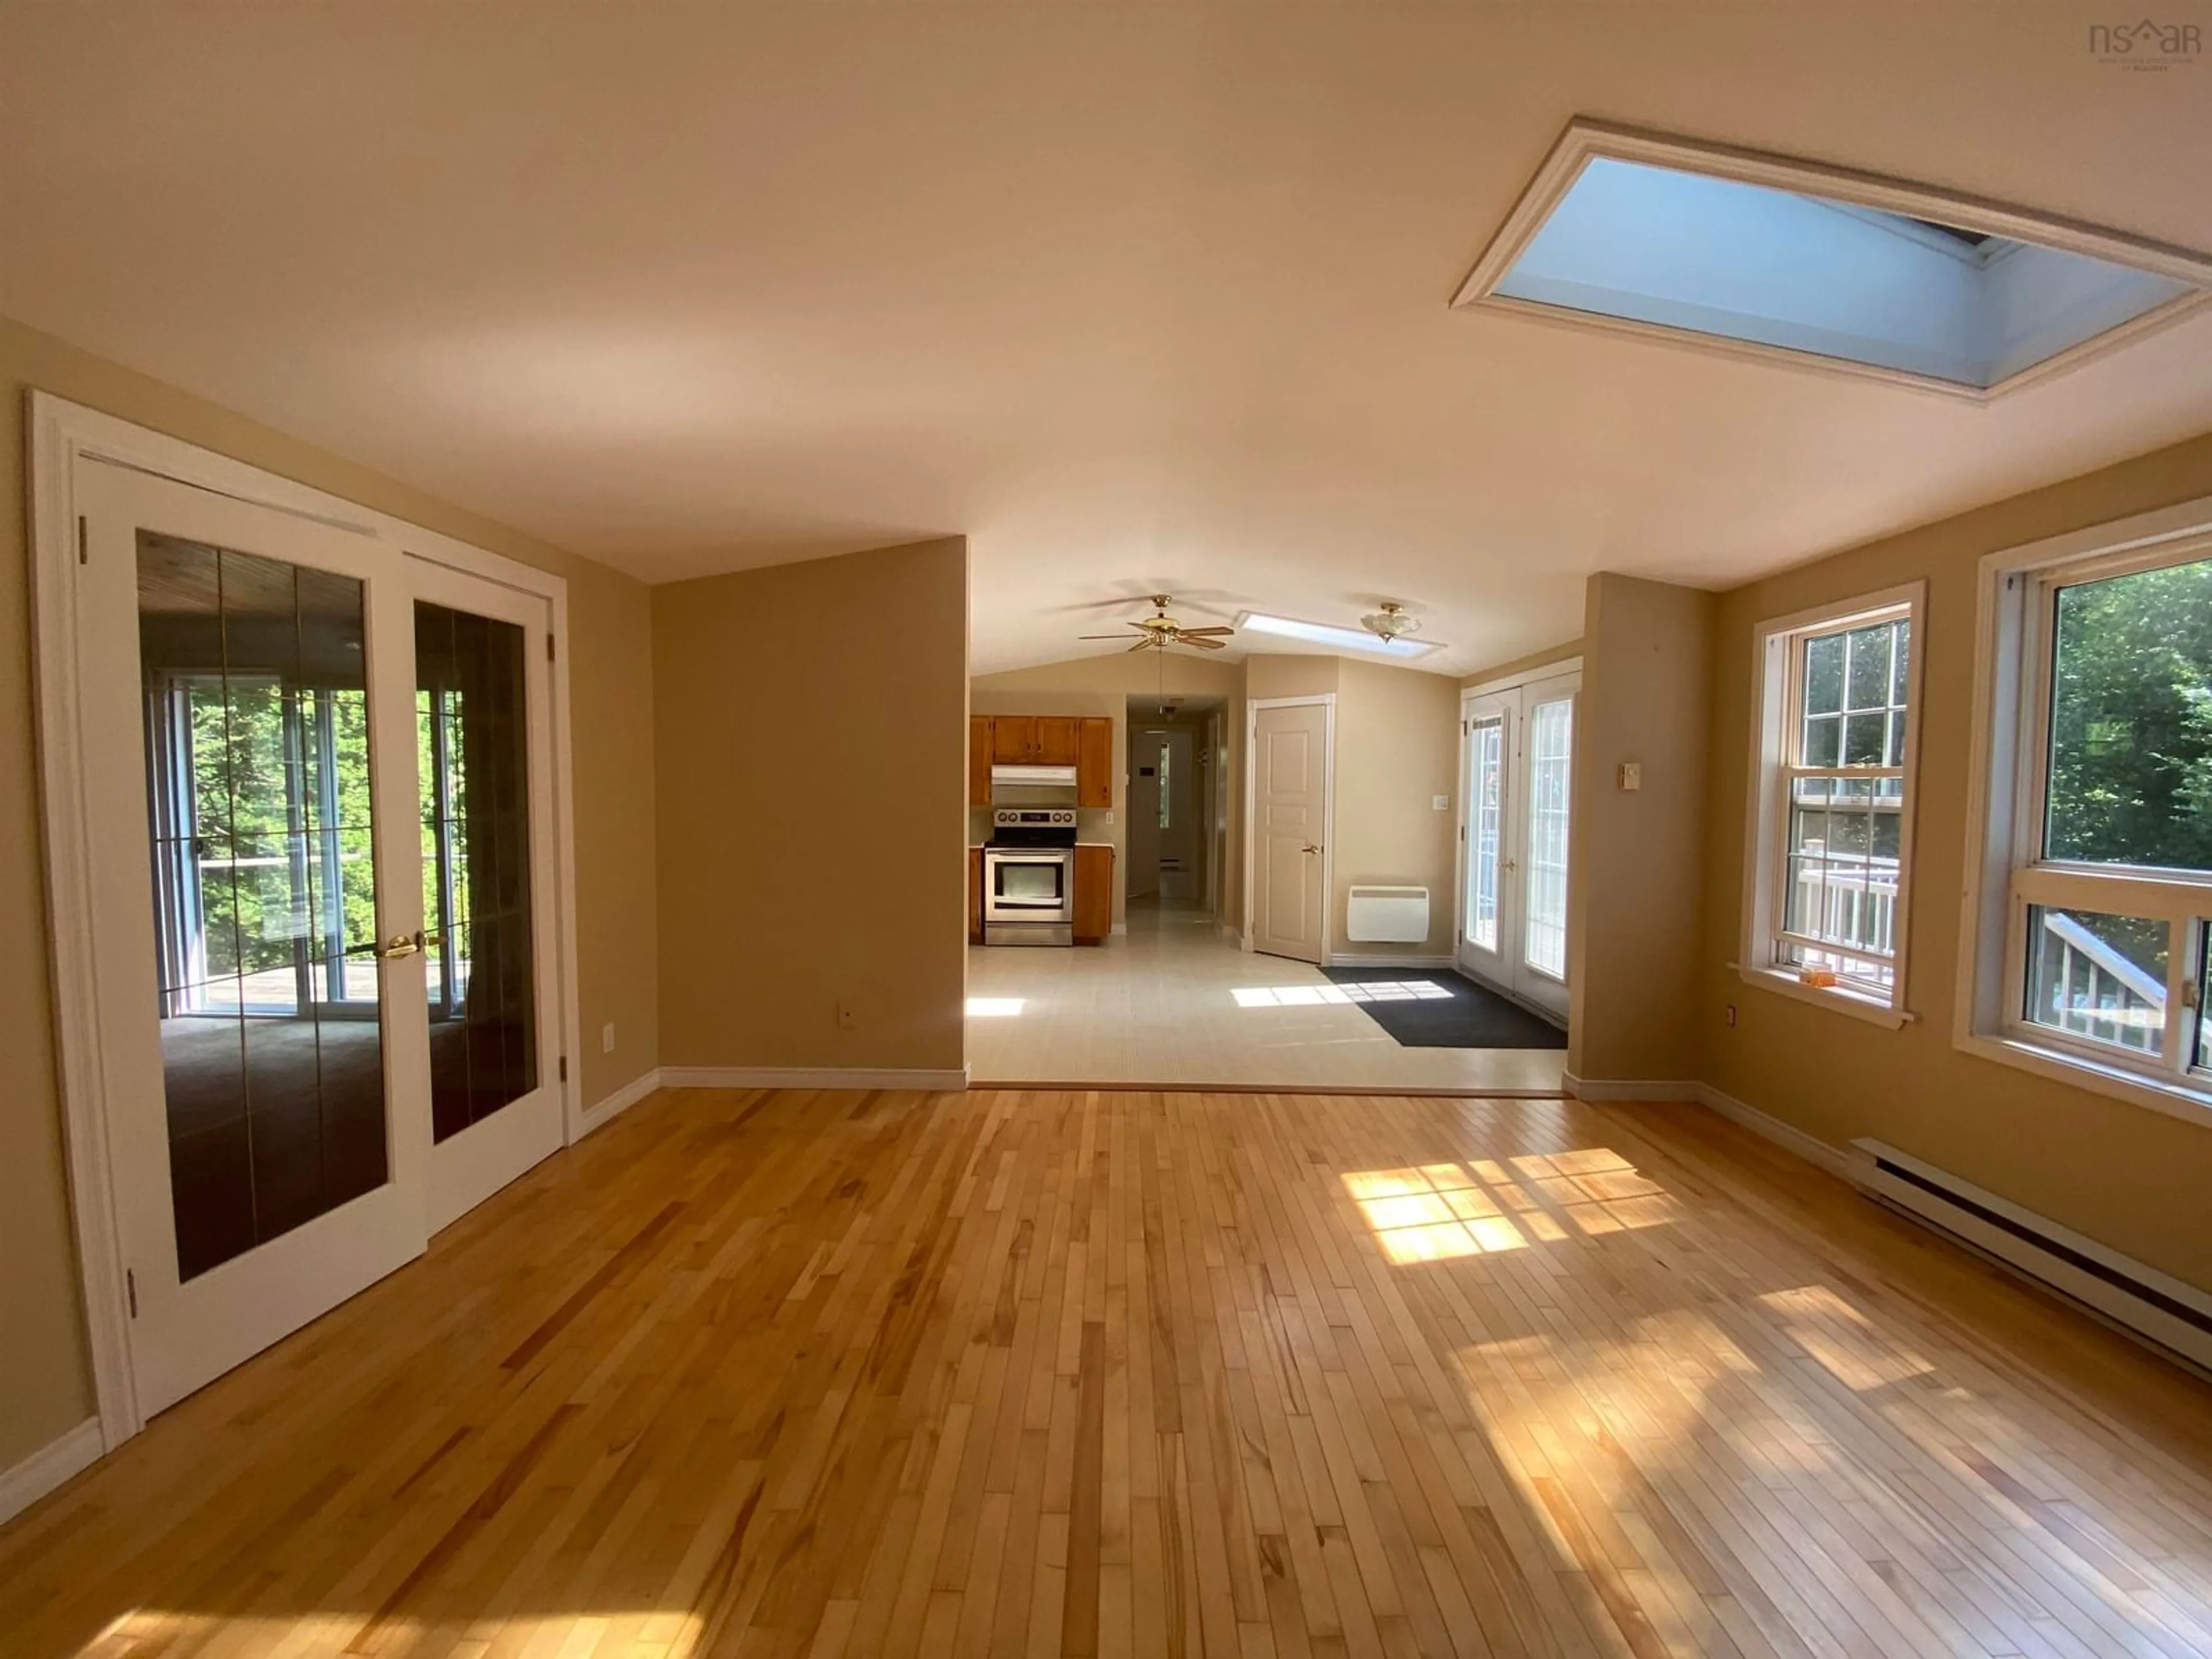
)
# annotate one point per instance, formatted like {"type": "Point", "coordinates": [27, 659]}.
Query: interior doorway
{"type": "Point", "coordinates": [1176, 825]}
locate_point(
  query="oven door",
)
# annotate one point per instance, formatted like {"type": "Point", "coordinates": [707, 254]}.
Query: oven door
{"type": "Point", "coordinates": [1027, 886]}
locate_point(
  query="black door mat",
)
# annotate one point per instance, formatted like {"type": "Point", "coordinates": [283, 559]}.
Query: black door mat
{"type": "Point", "coordinates": [1436, 1008]}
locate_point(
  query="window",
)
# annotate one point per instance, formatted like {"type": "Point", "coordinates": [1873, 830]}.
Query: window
{"type": "Point", "coordinates": [1832, 810]}
{"type": "Point", "coordinates": [2089, 947]}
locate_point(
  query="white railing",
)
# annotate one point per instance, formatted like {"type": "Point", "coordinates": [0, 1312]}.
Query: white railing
{"type": "Point", "coordinates": [1861, 916]}
{"type": "Point", "coordinates": [2115, 1001]}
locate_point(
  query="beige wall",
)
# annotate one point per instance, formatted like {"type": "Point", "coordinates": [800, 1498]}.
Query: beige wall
{"type": "Point", "coordinates": [1269, 675]}
{"type": "Point", "coordinates": [1101, 687]}
{"type": "Point", "coordinates": [46, 1386]}
{"type": "Point", "coordinates": [1520, 665]}
{"type": "Point", "coordinates": [812, 811]}
{"type": "Point", "coordinates": [1635, 914]}
{"type": "Point", "coordinates": [1396, 751]}
{"type": "Point", "coordinates": [2127, 1177]}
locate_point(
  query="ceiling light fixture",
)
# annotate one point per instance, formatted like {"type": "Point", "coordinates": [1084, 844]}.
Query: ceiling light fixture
{"type": "Point", "coordinates": [1391, 622]}
{"type": "Point", "coordinates": [1336, 638]}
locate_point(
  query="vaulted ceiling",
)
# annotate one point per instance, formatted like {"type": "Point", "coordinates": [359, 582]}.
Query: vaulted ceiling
{"type": "Point", "coordinates": [1132, 296]}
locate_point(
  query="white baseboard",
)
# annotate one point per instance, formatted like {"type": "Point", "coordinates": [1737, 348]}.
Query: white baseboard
{"type": "Point", "coordinates": [617, 1103]}
{"type": "Point", "coordinates": [47, 1467]}
{"type": "Point", "coordinates": [809, 1076]}
{"type": "Point", "coordinates": [1788, 1136]}
{"type": "Point", "coordinates": [1599, 1088]}
{"type": "Point", "coordinates": [1351, 959]}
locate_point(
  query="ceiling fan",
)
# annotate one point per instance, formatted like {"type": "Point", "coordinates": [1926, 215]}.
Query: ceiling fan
{"type": "Point", "coordinates": [1160, 631]}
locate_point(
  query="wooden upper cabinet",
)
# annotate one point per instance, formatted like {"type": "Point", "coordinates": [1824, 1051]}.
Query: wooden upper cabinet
{"type": "Point", "coordinates": [1056, 736]}
{"type": "Point", "coordinates": [1094, 763]}
{"type": "Point", "coordinates": [979, 760]}
{"type": "Point", "coordinates": [1013, 738]}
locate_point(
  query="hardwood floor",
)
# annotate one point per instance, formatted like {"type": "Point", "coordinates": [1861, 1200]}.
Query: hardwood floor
{"type": "Point", "coordinates": [1007, 1373]}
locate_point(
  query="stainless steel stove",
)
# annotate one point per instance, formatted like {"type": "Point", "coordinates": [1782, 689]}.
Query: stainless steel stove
{"type": "Point", "coordinates": [1029, 877]}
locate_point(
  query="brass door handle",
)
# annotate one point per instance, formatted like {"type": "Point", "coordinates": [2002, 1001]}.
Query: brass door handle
{"type": "Point", "coordinates": [1309, 849]}
{"type": "Point", "coordinates": [399, 945]}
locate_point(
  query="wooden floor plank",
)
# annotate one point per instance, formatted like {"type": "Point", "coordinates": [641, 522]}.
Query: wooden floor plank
{"type": "Point", "coordinates": [1106, 1372]}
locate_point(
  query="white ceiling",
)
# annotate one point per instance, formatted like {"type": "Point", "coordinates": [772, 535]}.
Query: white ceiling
{"type": "Point", "coordinates": [1130, 295]}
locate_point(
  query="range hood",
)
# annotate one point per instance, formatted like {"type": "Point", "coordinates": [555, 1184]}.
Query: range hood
{"type": "Point", "coordinates": [1033, 777]}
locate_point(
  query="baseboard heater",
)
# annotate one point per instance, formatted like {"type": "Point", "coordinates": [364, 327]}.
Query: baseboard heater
{"type": "Point", "coordinates": [2153, 1304]}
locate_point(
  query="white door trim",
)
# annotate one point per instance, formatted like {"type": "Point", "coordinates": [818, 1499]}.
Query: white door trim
{"type": "Point", "coordinates": [63, 436]}
{"type": "Point", "coordinates": [1327, 702]}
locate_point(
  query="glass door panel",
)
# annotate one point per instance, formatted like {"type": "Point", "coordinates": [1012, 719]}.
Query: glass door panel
{"type": "Point", "coordinates": [255, 693]}
{"type": "Point", "coordinates": [1486, 830]}
{"type": "Point", "coordinates": [473, 770]}
{"type": "Point", "coordinates": [1551, 743]}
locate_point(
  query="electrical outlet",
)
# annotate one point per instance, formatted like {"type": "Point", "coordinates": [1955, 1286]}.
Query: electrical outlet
{"type": "Point", "coordinates": [1631, 775]}
{"type": "Point", "coordinates": [848, 1018]}
{"type": "Point", "coordinates": [1109, 815]}
{"type": "Point", "coordinates": [1440, 803]}
{"type": "Point", "coordinates": [1731, 1013]}
{"type": "Point", "coordinates": [607, 1038]}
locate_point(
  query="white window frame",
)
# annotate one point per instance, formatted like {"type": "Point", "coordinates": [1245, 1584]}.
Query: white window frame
{"type": "Point", "coordinates": [1776, 645]}
{"type": "Point", "coordinates": [2005, 871]}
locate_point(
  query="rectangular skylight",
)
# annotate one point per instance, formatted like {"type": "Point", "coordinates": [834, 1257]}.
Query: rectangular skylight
{"type": "Point", "coordinates": [1680, 237]}
{"type": "Point", "coordinates": [1336, 639]}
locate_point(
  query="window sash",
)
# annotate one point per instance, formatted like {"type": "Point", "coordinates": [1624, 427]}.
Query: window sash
{"type": "Point", "coordinates": [2181, 899]}
{"type": "Point", "coordinates": [1784, 770]}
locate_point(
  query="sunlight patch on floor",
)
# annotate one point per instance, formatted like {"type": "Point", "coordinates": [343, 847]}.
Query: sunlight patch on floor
{"type": "Point", "coordinates": [1436, 1212]}
{"type": "Point", "coordinates": [995, 1007]}
{"type": "Point", "coordinates": [1316, 996]}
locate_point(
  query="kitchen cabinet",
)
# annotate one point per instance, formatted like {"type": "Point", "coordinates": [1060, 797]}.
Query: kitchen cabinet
{"type": "Point", "coordinates": [1013, 740]}
{"type": "Point", "coordinates": [1086, 743]}
{"type": "Point", "coordinates": [1094, 894]}
{"type": "Point", "coordinates": [1094, 763]}
{"type": "Point", "coordinates": [979, 760]}
{"type": "Point", "coordinates": [975, 895]}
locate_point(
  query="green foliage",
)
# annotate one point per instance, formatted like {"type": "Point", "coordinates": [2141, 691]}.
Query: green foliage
{"type": "Point", "coordinates": [265, 858]}
{"type": "Point", "coordinates": [2131, 720]}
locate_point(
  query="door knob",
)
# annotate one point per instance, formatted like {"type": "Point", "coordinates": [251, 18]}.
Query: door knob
{"type": "Point", "coordinates": [1309, 849]}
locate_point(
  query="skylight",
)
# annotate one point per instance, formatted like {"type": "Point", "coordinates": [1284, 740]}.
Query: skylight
{"type": "Point", "coordinates": [1852, 270]}
{"type": "Point", "coordinates": [1337, 639]}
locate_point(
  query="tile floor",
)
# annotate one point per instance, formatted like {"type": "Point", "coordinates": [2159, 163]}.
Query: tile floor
{"type": "Point", "coordinates": [1175, 1002]}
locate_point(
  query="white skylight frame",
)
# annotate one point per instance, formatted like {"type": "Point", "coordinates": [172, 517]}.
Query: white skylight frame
{"type": "Point", "coordinates": [1586, 140]}
{"type": "Point", "coordinates": [1402, 649]}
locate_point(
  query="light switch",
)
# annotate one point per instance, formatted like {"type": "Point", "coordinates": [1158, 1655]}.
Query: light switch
{"type": "Point", "coordinates": [1631, 775]}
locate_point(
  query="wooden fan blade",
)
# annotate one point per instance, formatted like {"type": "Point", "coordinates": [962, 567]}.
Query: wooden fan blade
{"type": "Point", "coordinates": [1189, 633]}
{"type": "Point", "coordinates": [1203, 645]}
{"type": "Point", "coordinates": [1145, 644]}
{"type": "Point", "coordinates": [1105, 636]}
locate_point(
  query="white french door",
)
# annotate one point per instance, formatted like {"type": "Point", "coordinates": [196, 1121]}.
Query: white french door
{"type": "Point", "coordinates": [324, 976]}
{"type": "Point", "coordinates": [1517, 768]}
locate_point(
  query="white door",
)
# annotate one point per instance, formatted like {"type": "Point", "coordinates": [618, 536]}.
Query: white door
{"type": "Point", "coordinates": [1290, 789]}
{"type": "Point", "coordinates": [324, 929]}
{"type": "Point", "coordinates": [1489, 895]}
{"type": "Point", "coordinates": [484, 749]}
{"type": "Point", "coordinates": [246, 707]}
{"type": "Point", "coordinates": [1518, 769]}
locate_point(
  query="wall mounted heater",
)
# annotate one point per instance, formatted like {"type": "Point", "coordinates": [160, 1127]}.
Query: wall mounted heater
{"type": "Point", "coordinates": [2174, 1315]}
{"type": "Point", "coordinates": [1386, 915]}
